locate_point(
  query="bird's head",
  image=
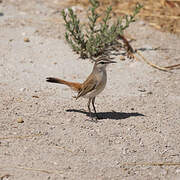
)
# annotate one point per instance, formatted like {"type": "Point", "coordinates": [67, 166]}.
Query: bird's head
{"type": "Point", "coordinates": [102, 62]}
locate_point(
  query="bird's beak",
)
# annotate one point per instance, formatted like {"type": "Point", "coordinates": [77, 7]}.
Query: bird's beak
{"type": "Point", "coordinates": [109, 62]}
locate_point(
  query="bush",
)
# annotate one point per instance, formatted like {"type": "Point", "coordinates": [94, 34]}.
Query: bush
{"type": "Point", "coordinates": [95, 39]}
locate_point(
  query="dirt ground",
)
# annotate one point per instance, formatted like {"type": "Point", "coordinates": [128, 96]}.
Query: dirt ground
{"type": "Point", "coordinates": [138, 135]}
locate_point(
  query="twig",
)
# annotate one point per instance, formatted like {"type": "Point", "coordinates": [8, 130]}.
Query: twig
{"type": "Point", "coordinates": [129, 47]}
{"type": "Point", "coordinates": [131, 54]}
{"type": "Point", "coordinates": [151, 64]}
{"type": "Point", "coordinates": [21, 137]}
{"type": "Point", "coordinates": [130, 51]}
{"type": "Point", "coordinates": [166, 68]}
{"type": "Point", "coordinates": [34, 169]}
{"type": "Point", "coordinates": [173, 66]}
{"type": "Point", "coordinates": [159, 16]}
{"type": "Point", "coordinates": [58, 147]}
{"type": "Point", "coordinates": [40, 170]}
{"type": "Point", "coordinates": [153, 164]}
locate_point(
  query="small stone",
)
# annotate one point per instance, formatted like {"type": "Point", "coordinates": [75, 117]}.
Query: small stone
{"type": "Point", "coordinates": [142, 23]}
{"type": "Point", "coordinates": [22, 89]}
{"type": "Point", "coordinates": [26, 39]}
{"type": "Point", "coordinates": [156, 81]}
{"type": "Point", "coordinates": [142, 90]}
{"type": "Point", "coordinates": [20, 120]}
{"type": "Point", "coordinates": [52, 127]}
{"type": "Point", "coordinates": [149, 93]}
{"type": "Point", "coordinates": [34, 96]}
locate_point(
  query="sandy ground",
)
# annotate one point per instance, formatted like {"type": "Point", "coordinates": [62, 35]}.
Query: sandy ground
{"type": "Point", "coordinates": [139, 109]}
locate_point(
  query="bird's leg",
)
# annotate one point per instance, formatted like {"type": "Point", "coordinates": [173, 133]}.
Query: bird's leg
{"type": "Point", "coordinates": [93, 101]}
{"type": "Point", "coordinates": [89, 103]}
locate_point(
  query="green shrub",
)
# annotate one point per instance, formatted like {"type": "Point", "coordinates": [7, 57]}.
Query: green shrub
{"type": "Point", "coordinates": [95, 39]}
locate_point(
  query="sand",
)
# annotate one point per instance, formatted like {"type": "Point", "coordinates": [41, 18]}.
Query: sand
{"type": "Point", "coordinates": [46, 134]}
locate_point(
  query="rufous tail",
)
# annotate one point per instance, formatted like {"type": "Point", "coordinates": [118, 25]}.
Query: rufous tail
{"type": "Point", "coordinates": [72, 85]}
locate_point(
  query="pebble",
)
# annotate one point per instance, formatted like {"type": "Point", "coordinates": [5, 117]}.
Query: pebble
{"type": "Point", "coordinates": [142, 90]}
{"type": "Point", "coordinates": [177, 170]}
{"type": "Point", "coordinates": [20, 120]}
{"type": "Point", "coordinates": [26, 39]}
{"type": "Point", "coordinates": [23, 34]}
{"type": "Point", "coordinates": [22, 89]}
{"type": "Point", "coordinates": [149, 93]}
{"type": "Point", "coordinates": [142, 23]}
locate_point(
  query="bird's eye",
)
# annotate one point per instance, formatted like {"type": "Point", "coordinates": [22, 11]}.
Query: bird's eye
{"type": "Point", "coordinates": [102, 62]}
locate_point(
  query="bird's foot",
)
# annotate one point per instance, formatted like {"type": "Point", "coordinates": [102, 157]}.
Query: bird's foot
{"type": "Point", "coordinates": [92, 119]}
{"type": "Point", "coordinates": [97, 117]}
{"type": "Point", "coordinates": [95, 120]}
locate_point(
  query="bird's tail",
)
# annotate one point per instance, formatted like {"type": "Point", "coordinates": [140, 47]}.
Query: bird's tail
{"type": "Point", "coordinates": [74, 86]}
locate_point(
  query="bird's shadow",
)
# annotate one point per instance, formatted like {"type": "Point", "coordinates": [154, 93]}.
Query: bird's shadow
{"type": "Point", "coordinates": [107, 115]}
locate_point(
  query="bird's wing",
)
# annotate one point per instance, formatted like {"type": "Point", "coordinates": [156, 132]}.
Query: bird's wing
{"type": "Point", "coordinates": [88, 86]}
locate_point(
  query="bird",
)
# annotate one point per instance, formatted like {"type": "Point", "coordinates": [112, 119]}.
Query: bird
{"type": "Point", "coordinates": [92, 86]}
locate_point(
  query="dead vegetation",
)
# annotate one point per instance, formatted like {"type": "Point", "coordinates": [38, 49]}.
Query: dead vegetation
{"type": "Point", "coordinates": [163, 15]}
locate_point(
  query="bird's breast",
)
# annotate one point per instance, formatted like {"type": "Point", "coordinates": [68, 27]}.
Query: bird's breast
{"type": "Point", "coordinates": [101, 79]}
